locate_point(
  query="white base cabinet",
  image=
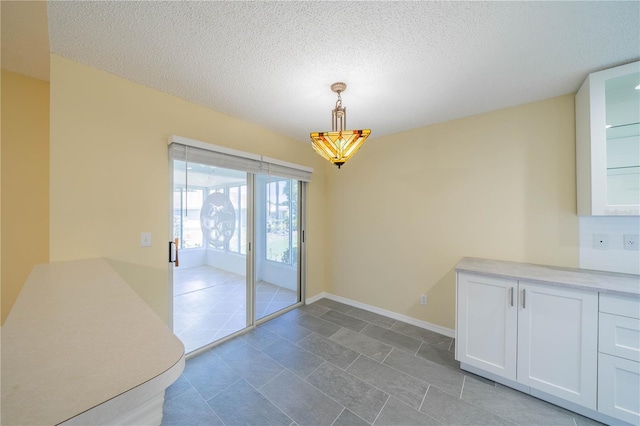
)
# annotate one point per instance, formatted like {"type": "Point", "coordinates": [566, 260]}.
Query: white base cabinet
{"type": "Point", "coordinates": [558, 341]}
{"type": "Point", "coordinates": [619, 388]}
{"type": "Point", "coordinates": [619, 358]}
{"type": "Point", "coordinates": [540, 336]}
{"type": "Point", "coordinates": [487, 321]}
{"type": "Point", "coordinates": [568, 336]}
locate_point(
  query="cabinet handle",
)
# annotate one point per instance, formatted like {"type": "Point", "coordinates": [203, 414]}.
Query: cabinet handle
{"type": "Point", "coordinates": [511, 296]}
{"type": "Point", "coordinates": [524, 298]}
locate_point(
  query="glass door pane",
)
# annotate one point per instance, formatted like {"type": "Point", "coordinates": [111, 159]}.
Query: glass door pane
{"type": "Point", "coordinates": [277, 224]}
{"type": "Point", "coordinates": [210, 283]}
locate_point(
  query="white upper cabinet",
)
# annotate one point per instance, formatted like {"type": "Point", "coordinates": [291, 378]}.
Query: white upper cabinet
{"type": "Point", "coordinates": [608, 142]}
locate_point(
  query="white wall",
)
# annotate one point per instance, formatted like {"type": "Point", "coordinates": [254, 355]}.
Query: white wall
{"type": "Point", "coordinates": [615, 258]}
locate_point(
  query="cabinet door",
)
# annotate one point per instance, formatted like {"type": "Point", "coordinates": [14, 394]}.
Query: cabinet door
{"type": "Point", "coordinates": [558, 342]}
{"type": "Point", "coordinates": [486, 332]}
{"type": "Point", "coordinates": [619, 388]}
{"type": "Point", "coordinates": [607, 136]}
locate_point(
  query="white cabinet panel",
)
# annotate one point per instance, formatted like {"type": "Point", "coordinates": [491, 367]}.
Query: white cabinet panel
{"type": "Point", "coordinates": [620, 305]}
{"type": "Point", "coordinates": [619, 388]}
{"type": "Point", "coordinates": [558, 342]}
{"type": "Point", "coordinates": [487, 324]}
{"type": "Point", "coordinates": [619, 336]}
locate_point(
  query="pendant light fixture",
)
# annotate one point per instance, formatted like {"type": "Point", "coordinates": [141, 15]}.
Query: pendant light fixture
{"type": "Point", "coordinates": [339, 145]}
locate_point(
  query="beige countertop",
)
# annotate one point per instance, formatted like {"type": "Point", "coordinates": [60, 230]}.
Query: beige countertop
{"type": "Point", "coordinates": [77, 339]}
{"type": "Point", "coordinates": [603, 282]}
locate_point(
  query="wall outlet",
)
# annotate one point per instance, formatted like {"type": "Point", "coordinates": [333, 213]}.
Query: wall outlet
{"type": "Point", "coordinates": [631, 242]}
{"type": "Point", "coordinates": [601, 241]}
{"type": "Point", "coordinates": [423, 299]}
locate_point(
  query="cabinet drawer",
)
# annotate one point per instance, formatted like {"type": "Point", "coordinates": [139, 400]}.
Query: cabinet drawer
{"type": "Point", "coordinates": [619, 388]}
{"type": "Point", "coordinates": [619, 336]}
{"type": "Point", "coordinates": [620, 305]}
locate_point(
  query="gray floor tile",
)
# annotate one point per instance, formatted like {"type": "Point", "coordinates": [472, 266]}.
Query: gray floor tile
{"type": "Point", "coordinates": [286, 329]}
{"type": "Point", "coordinates": [209, 374]}
{"type": "Point", "coordinates": [360, 397]}
{"type": "Point", "coordinates": [451, 410]}
{"type": "Point", "coordinates": [386, 357]}
{"type": "Point", "coordinates": [344, 320]}
{"type": "Point", "coordinates": [177, 388]}
{"type": "Point", "coordinates": [241, 404]}
{"type": "Point", "coordinates": [440, 356]}
{"type": "Point", "coordinates": [328, 350]}
{"type": "Point", "coordinates": [226, 347]}
{"type": "Point", "coordinates": [392, 338]}
{"type": "Point", "coordinates": [371, 317]}
{"type": "Point", "coordinates": [513, 405]}
{"type": "Point", "coordinates": [396, 412]}
{"type": "Point", "coordinates": [332, 304]}
{"type": "Point", "coordinates": [479, 378]}
{"type": "Point", "coordinates": [260, 337]}
{"type": "Point", "coordinates": [583, 421]}
{"type": "Point", "coordinates": [407, 388]}
{"type": "Point", "coordinates": [293, 357]}
{"type": "Point", "coordinates": [422, 334]}
{"type": "Point", "coordinates": [443, 378]}
{"type": "Point", "coordinates": [317, 325]}
{"type": "Point", "coordinates": [360, 343]}
{"type": "Point", "coordinates": [291, 315]}
{"type": "Point", "coordinates": [252, 365]}
{"type": "Point", "coordinates": [347, 418]}
{"type": "Point", "coordinates": [276, 306]}
{"type": "Point", "coordinates": [299, 400]}
{"type": "Point", "coordinates": [189, 409]}
{"type": "Point", "coordinates": [314, 309]}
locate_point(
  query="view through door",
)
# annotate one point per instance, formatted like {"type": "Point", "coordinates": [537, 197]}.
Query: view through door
{"type": "Point", "coordinates": [277, 213]}
{"type": "Point", "coordinates": [212, 207]}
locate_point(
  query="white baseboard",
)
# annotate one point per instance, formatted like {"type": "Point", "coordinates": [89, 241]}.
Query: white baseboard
{"type": "Point", "coordinates": [310, 300]}
{"type": "Point", "coordinates": [418, 323]}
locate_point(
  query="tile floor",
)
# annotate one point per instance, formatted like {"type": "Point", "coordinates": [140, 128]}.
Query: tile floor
{"type": "Point", "coordinates": [210, 303]}
{"type": "Point", "coordinates": [332, 364]}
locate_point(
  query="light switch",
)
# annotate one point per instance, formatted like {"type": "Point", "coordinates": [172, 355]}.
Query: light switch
{"type": "Point", "coordinates": [145, 239]}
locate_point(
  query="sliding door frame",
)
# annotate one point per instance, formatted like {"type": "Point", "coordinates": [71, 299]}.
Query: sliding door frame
{"type": "Point", "coordinates": [279, 168]}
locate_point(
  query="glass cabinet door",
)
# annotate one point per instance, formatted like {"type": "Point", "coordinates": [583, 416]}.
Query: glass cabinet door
{"type": "Point", "coordinates": [608, 142]}
{"type": "Point", "coordinates": [622, 110]}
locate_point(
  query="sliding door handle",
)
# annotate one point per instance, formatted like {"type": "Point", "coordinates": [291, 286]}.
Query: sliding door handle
{"type": "Point", "coordinates": [511, 296]}
{"type": "Point", "coordinates": [524, 298]}
{"type": "Point", "coordinates": [173, 251]}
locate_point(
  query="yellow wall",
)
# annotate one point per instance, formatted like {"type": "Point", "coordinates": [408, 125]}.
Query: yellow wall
{"type": "Point", "coordinates": [110, 173]}
{"type": "Point", "coordinates": [25, 181]}
{"type": "Point", "coordinates": [409, 206]}
{"type": "Point", "coordinates": [401, 214]}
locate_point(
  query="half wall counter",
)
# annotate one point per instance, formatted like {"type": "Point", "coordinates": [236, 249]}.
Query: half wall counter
{"type": "Point", "coordinates": [80, 347]}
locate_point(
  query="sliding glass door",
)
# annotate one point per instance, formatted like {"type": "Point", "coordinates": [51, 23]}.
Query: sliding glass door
{"type": "Point", "coordinates": [238, 232]}
{"type": "Point", "coordinates": [277, 213]}
{"type": "Point", "coordinates": [210, 226]}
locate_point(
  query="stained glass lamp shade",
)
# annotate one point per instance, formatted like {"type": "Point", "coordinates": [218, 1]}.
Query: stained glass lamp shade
{"type": "Point", "coordinates": [338, 145]}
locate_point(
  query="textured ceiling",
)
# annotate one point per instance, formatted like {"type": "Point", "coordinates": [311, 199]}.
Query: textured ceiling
{"type": "Point", "coordinates": [407, 64]}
